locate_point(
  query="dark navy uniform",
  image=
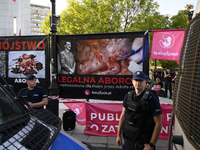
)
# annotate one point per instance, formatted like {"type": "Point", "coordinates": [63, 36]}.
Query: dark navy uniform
{"type": "Point", "coordinates": [174, 77]}
{"type": "Point", "coordinates": [151, 109]}
{"type": "Point", "coordinates": [168, 84]}
{"type": "Point", "coordinates": [34, 96]}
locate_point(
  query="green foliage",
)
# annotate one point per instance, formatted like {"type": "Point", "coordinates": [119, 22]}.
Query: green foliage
{"type": "Point", "coordinates": [100, 16]}
{"type": "Point", "coordinates": [45, 28]}
{"type": "Point", "coordinates": [165, 64]}
{"type": "Point", "coordinates": [179, 21]}
{"type": "Point", "coordinates": [106, 16]}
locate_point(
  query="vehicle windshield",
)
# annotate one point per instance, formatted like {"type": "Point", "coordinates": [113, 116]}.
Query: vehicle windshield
{"type": "Point", "coordinates": [8, 107]}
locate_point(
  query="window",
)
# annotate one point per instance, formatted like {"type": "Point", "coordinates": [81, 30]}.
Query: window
{"type": "Point", "coordinates": [8, 107]}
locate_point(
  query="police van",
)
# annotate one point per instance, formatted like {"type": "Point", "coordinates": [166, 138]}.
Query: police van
{"type": "Point", "coordinates": [186, 96]}
{"type": "Point", "coordinates": [23, 128]}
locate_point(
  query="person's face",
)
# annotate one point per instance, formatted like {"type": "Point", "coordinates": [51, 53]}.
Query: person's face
{"type": "Point", "coordinates": [68, 45]}
{"type": "Point", "coordinates": [147, 85]}
{"type": "Point", "coordinates": [139, 84]}
{"type": "Point", "coordinates": [31, 83]}
{"type": "Point", "coordinates": [168, 70]}
{"type": "Point", "coordinates": [176, 72]}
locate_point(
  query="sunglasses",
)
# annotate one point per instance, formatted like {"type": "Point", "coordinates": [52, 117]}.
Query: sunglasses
{"type": "Point", "coordinates": [148, 82]}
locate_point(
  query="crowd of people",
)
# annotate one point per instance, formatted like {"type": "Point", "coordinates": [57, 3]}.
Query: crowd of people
{"type": "Point", "coordinates": [161, 81]}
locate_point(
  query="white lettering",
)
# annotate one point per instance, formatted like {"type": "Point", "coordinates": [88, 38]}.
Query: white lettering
{"type": "Point", "coordinates": [37, 81]}
{"type": "Point", "coordinates": [105, 126]}
{"type": "Point", "coordinates": [93, 115]}
{"type": "Point", "coordinates": [16, 81]}
{"type": "Point", "coordinates": [23, 80]}
{"type": "Point", "coordinates": [117, 119]}
{"type": "Point", "coordinates": [112, 129]}
{"type": "Point", "coordinates": [94, 125]}
{"type": "Point", "coordinates": [105, 116]}
{"type": "Point", "coordinates": [168, 116]}
{"type": "Point", "coordinates": [81, 120]}
{"type": "Point", "coordinates": [168, 53]}
{"type": "Point", "coordinates": [164, 129]}
{"type": "Point", "coordinates": [110, 117]}
{"type": "Point", "coordinates": [101, 118]}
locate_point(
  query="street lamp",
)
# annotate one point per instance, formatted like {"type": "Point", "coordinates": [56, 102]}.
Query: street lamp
{"type": "Point", "coordinates": [53, 37]}
{"type": "Point", "coordinates": [53, 105]}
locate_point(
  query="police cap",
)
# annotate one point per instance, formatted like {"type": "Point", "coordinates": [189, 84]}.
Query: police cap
{"type": "Point", "coordinates": [139, 75]}
{"type": "Point", "coordinates": [30, 77]}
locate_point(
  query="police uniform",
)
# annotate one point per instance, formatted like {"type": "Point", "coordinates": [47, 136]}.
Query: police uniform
{"type": "Point", "coordinates": [152, 108]}
{"type": "Point", "coordinates": [174, 77]}
{"type": "Point", "coordinates": [34, 96]}
{"type": "Point", "coordinates": [168, 83]}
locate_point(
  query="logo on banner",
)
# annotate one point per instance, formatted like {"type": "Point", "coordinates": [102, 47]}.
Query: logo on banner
{"type": "Point", "coordinates": [87, 92]}
{"type": "Point", "coordinates": [76, 109]}
{"type": "Point", "coordinates": [167, 41]}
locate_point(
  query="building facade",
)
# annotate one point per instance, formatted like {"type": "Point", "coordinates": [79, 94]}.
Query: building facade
{"type": "Point", "coordinates": [21, 17]}
{"type": "Point", "coordinates": [37, 13]}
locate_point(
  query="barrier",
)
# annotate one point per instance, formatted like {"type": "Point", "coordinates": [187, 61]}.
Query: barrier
{"type": "Point", "coordinates": [102, 119]}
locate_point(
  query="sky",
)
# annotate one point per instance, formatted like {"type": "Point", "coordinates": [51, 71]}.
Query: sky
{"type": "Point", "coordinates": [170, 7]}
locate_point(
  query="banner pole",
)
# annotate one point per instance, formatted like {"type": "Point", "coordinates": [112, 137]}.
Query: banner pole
{"type": "Point", "coordinates": [146, 53]}
{"type": "Point", "coordinates": [54, 88]}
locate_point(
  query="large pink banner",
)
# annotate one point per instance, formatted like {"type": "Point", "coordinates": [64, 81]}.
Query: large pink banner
{"type": "Point", "coordinates": [167, 44]}
{"type": "Point", "coordinates": [166, 117]}
{"type": "Point", "coordinates": [102, 119]}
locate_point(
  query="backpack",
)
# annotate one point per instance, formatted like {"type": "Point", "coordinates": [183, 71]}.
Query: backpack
{"type": "Point", "coordinates": [157, 88]}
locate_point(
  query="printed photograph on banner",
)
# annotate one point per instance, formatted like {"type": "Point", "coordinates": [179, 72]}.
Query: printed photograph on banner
{"type": "Point", "coordinates": [67, 63]}
{"type": "Point", "coordinates": [21, 63]}
{"type": "Point", "coordinates": [119, 56]}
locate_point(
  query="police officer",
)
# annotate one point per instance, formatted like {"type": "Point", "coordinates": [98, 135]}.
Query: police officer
{"type": "Point", "coordinates": [143, 131]}
{"type": "Point", "coordinates": [175, 75]}
{"type": "Point", "coordinates": [36, 96]}
{"type": "Point", "coordinates": [168, 82]}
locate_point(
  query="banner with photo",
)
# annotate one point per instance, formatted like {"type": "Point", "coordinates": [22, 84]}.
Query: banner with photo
{"type": "Point", "coordinates": [22, 55]}
{"type": "Point", "coordinates": [100, 66]}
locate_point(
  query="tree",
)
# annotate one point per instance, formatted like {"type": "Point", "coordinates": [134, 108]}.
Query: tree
{"type": "Point", "coordinates": [105, 16]}
{"type": "Point", "coordinates": [151, 20]}
{"type": "Point", "coordinates": [179, 21]}
{"type": "Point", "coordinates": [45, 28]}
{"type": "Point", "coordinates": [99, 16]}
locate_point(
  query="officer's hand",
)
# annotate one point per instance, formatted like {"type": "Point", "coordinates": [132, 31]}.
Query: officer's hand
{"type": "Point", "coordinates": [119, 141]}
{"type": "Point", "coordinates": [30, 104]}
{"type": "Point", "coordinates": [147, 147]}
